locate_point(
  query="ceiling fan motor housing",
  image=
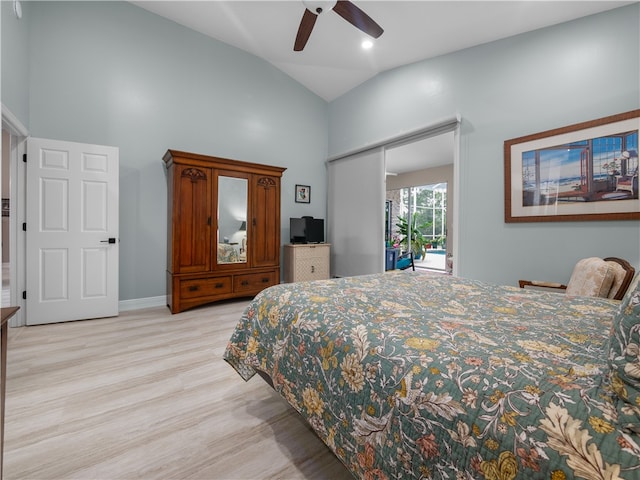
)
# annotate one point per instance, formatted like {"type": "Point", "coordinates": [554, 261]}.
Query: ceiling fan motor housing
{"type": "Point", "coordinates": [319, 6]}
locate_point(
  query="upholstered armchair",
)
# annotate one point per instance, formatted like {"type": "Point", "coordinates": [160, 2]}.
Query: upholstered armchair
{"type": "Point", "coordinates": [593, 277]}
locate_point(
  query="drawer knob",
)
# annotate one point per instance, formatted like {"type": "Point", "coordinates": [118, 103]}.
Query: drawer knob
{"type": "Point", "coordinates": [219, 285]}
{"type": "Point", "coordinates": [265, 280]}
{"type": "Point", "coordinates": [313, 269]}
{"type": "Point", "coordinates": [244, 283]}
{"type": "Point", "coordinates": [194, 288]}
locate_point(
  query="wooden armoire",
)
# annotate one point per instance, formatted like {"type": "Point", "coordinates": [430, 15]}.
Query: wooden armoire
{"type": "Point", "coordinates": [223, 228]}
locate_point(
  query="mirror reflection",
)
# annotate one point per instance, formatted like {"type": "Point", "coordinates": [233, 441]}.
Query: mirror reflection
{"type": "Point", "coordinates": [232, 220]}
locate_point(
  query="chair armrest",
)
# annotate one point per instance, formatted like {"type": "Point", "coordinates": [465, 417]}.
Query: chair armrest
{"type": "Point", "coordinates": [538, 283]}
{"type": "Point", "coordinates": [405, 261]}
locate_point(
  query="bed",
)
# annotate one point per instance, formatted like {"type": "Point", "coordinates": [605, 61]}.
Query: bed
{"type": "Point", "coordinates": [228, 253]}
{"type": "Point", "coordinates": [411, 375]}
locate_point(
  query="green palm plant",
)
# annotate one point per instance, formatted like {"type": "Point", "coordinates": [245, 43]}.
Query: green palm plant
{"type": "Point", "coordinates": [418, 241]}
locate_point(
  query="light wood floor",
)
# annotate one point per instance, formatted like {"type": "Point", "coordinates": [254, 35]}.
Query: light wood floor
{"type": "Point", "coordinates": [146, 395]}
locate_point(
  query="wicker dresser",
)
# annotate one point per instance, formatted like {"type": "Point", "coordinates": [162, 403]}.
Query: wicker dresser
{"type": "Point", "coordinates": [306, 262]}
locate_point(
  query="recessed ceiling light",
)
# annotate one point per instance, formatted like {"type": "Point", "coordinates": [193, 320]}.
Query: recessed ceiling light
{"type": "Point", "coordinates": [367, 44]}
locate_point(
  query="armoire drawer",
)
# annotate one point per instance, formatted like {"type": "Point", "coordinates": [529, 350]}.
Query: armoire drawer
{"type": "Point", "coordinates": [254, 281]}
{"type": "Point", "coordinates": [205, 287]}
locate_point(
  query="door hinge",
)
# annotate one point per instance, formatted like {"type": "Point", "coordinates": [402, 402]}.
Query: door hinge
{"type": "Point", "coordinates": [24, 157]}
{"type": "Point", "coordinates": [24, 295]}
{"type": "Point", "coordinates": [24, 226]}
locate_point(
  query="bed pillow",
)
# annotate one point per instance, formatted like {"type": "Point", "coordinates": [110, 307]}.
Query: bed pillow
{"type": "Point", "coordinates": [624, 358]}
{"type": "Point", "coordinates": [591, 277]}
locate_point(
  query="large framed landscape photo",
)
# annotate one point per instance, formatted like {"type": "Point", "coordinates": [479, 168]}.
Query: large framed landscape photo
{"type": "Point", "coordinates": [587, 171]}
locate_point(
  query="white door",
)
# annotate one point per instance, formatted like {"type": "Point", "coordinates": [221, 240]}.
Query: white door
{"type": "Point", "coordinates": [72, 231]}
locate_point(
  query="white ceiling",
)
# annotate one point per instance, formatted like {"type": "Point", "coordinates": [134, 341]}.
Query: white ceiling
{"type": "Point", "coordinates": [426, 153]}
{"type": "Point", "coordinates": [333, 62]}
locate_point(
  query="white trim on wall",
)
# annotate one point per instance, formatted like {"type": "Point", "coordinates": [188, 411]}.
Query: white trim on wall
{"type": "Point", "coordinates": [11, 123]}
{"type": "Point", "coordinates": [17, 198]}
{"type": "Point", "coordinates": [138, 303]}
{"type": "Point", "coordinates": [455, 245]}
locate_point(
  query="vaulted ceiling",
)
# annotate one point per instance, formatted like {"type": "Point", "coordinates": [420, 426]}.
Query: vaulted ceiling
{"type": "Point", "coordinates": [333, 61]}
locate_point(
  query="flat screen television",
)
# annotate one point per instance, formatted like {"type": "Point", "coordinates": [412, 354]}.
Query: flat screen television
{"type": "Point", "coordinates": [306, 230]}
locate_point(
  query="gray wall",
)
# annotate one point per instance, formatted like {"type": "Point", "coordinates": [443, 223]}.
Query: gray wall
{"type": "Point", "coordinates": [549, 78]}
{"type": "Point", "coordinates": [111, 73]}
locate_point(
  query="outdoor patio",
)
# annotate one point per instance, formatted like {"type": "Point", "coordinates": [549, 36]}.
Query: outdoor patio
{"type": "Point", "coordinates": [434, 259]}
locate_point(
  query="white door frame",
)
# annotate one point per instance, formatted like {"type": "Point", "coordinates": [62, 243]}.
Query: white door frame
{"type": "Point", "coordinates": [17, 201]}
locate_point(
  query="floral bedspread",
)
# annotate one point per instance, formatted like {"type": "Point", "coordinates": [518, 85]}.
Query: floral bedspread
{"type": "Point", "coordinates": [227, 253]}
{"type": "Point", "coordinates": [407, 375]}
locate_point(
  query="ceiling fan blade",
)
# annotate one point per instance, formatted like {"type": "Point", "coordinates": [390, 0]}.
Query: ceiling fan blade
{"type": "Point", "coordinates": [304, 30]}
{"type": "Point", "coordinates": [357, 18]}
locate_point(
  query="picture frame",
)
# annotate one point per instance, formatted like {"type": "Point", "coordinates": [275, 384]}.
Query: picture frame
{"type": "Point", "coordinates": [303, 194]}
{"type": "Point", "coordinates": [585, 171]}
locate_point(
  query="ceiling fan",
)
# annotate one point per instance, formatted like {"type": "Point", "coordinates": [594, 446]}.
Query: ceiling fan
{"type": "Point", "coordinates": [347, 10]}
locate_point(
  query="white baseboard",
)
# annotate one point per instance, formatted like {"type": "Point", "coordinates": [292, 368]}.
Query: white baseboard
{"type": "Point", "coordinates": [138, 303]}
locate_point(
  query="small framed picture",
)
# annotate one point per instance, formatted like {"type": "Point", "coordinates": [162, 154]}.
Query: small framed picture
{"type": "Point", "coordinates": [303, 194]}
